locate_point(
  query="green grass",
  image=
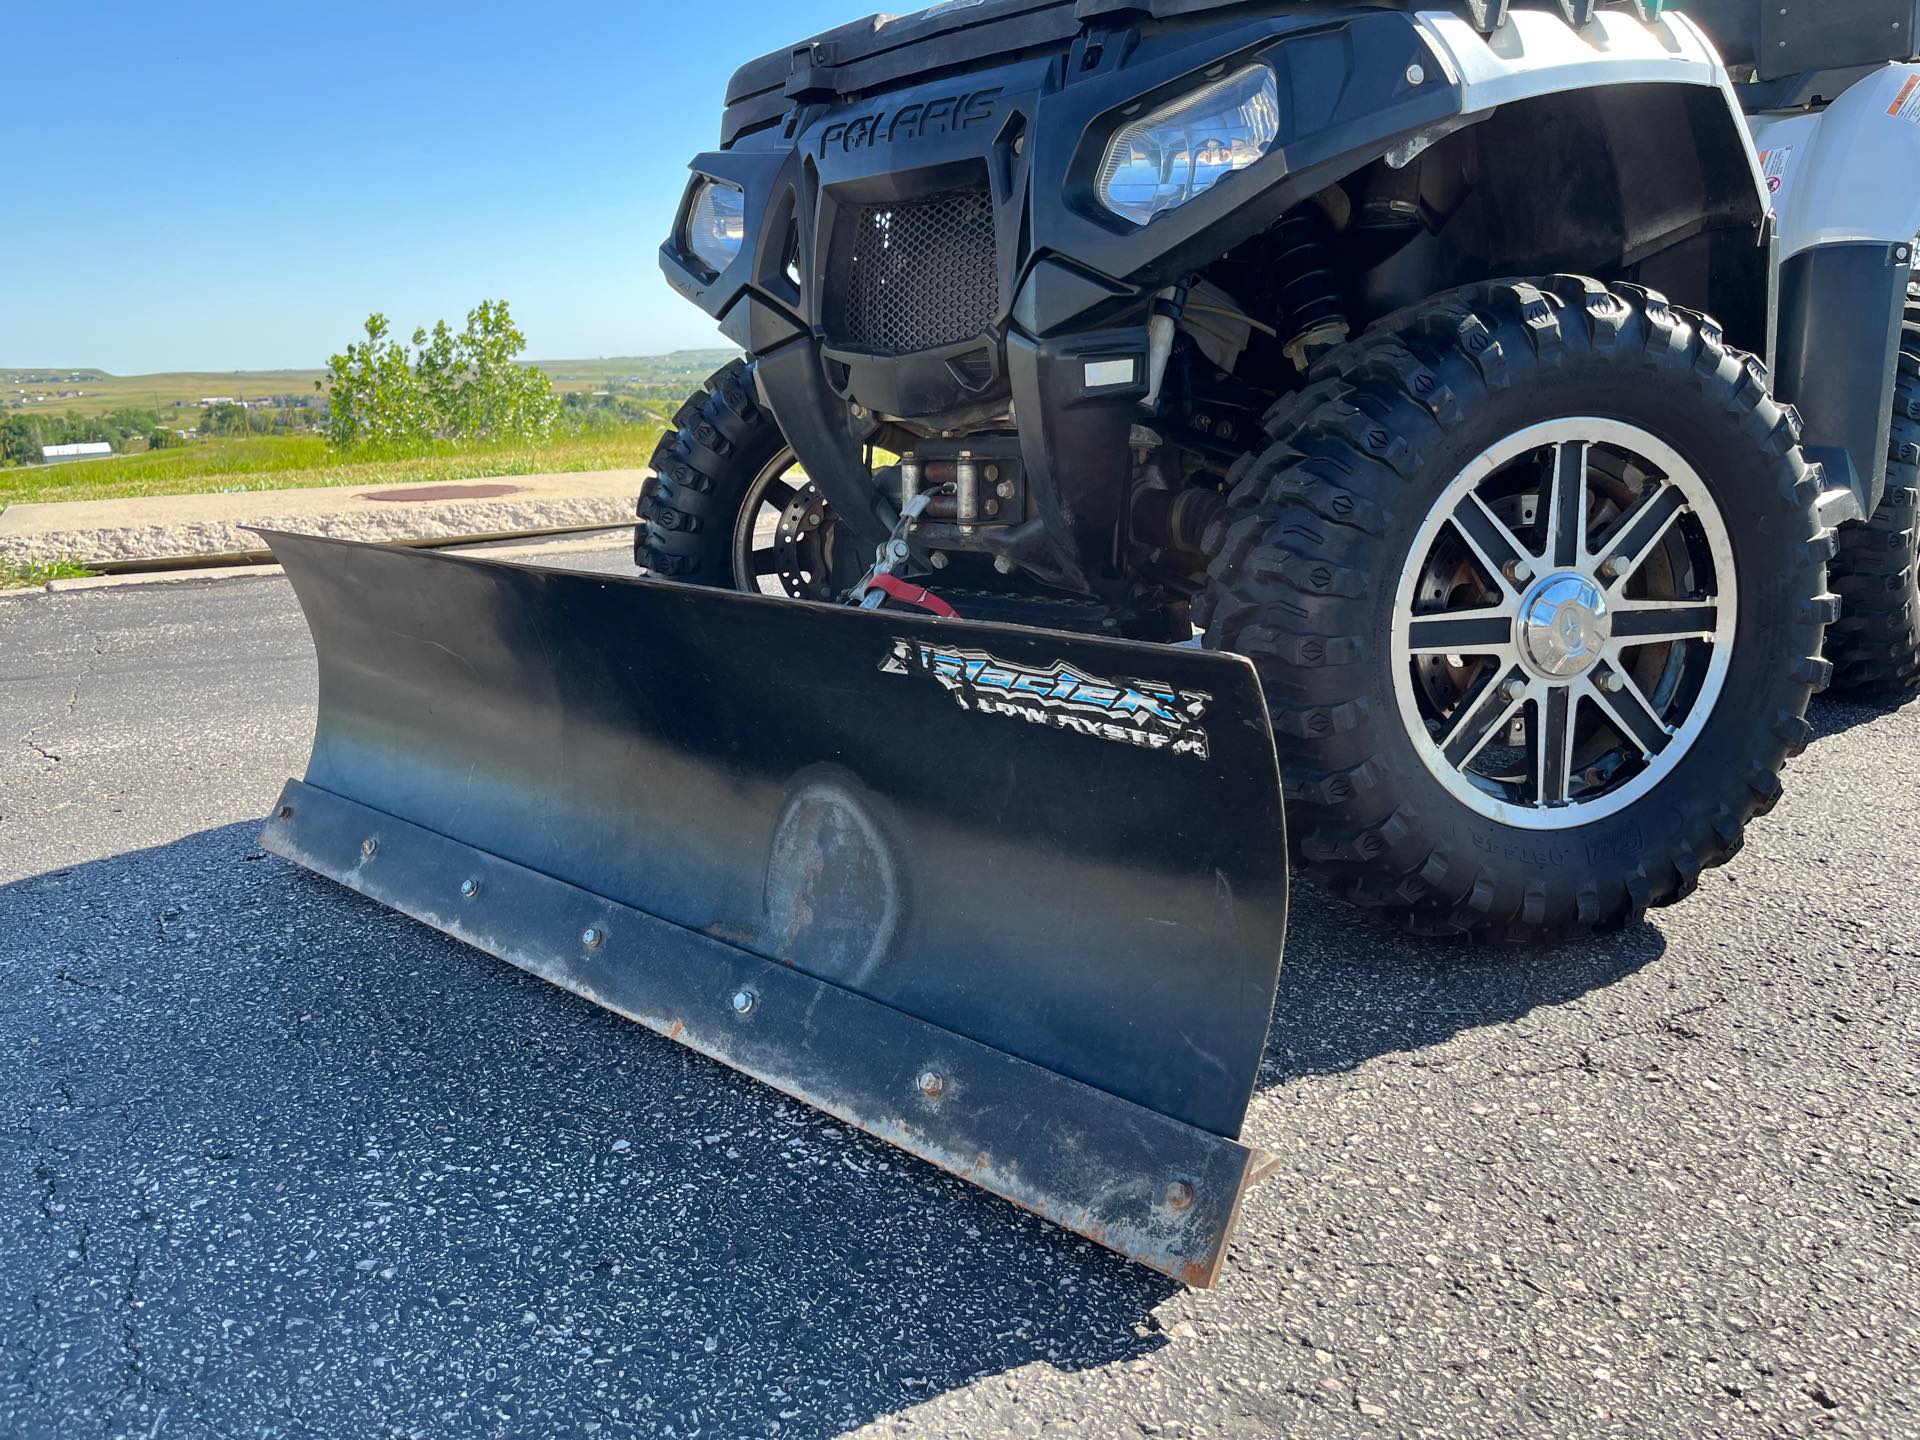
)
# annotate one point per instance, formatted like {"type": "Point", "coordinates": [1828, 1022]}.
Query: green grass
{"type": "Point", "coordinates": [282, 462]}
{"type": "Point", "coordinates": [16, 576]}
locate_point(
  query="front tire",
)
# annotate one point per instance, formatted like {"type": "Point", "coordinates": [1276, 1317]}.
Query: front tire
{"type": "Point", "coordinates": [728, 506]}
{"type": "Point", "coordinates": [1468, 745]}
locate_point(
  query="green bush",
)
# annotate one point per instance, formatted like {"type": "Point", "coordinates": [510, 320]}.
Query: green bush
{"type": "Point", "coordinates": [449, 386]}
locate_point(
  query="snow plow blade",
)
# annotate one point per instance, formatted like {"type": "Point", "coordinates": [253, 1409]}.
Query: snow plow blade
{"type": "Point", "coordinates": [1011, 900]}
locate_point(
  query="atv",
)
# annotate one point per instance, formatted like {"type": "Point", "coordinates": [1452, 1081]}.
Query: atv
{"type": "Point", "coordinates": [1372, 344]}
{"type": "Point", "coordinates": [1149, 406]}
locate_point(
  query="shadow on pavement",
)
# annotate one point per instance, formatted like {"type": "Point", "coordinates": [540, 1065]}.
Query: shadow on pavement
{"type": "Point", "coordinates": [1832, 715]}
{"type": "Point", "coordinates": [277, 1160]}
{"type": "Point", "coordinates": [1352, 989]}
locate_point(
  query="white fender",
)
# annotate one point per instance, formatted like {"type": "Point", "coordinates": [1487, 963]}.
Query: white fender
{"type": "Point", "coordinates": [1850, 173]}
{"type": "Point", "coordinates": [1536, 52]}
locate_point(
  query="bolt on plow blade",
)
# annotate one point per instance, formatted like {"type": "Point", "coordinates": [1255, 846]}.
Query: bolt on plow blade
{"type": "Point", "coordinates": [1008, 899]}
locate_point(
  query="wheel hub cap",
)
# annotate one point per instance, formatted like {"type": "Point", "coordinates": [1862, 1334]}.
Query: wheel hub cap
{"type": "Point", "coordinates": [1564, 625]}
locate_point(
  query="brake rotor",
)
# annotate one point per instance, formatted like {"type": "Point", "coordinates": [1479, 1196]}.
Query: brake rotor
{"type": "Point", "coordinates": [803, 545]}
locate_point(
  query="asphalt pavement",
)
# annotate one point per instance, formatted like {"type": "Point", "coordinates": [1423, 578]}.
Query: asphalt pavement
{"type": "Point", "coordinates": [277, 1162]}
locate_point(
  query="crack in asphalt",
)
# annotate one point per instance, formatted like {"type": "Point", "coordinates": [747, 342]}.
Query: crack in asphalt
{"type": "Point", "coordinates": [84, 983]}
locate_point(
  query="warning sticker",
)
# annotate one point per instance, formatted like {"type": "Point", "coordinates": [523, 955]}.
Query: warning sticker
{"type": "Point", "coordinates": [1906, 105]}
{"type": "Point", "coordinates": [1773, 165]}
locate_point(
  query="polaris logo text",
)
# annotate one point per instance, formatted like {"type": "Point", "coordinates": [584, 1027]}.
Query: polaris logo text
{"type": "Point", "coordinates": [911, 121]}
{"type": "Point", "coordinates": [1128, 712]}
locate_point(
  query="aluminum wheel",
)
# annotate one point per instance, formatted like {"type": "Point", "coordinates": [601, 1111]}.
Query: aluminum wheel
{"type": "Point", "coordinates": [1563, 628]}
{"type": "Point", "coordinates": [784, 535]}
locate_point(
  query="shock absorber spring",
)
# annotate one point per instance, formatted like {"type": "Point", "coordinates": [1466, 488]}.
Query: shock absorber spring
{"type": "Point", "coordinates": [1313, 314]}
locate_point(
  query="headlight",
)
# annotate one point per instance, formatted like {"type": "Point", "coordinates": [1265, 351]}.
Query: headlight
{"type": "Point", "coordinates": [717, 223]}
{"type": "Point", "coordinates": [1167, 157]}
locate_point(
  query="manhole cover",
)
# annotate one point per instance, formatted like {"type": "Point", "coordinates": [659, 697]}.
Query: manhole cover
{"type": "Point", "coordinates": [443, 492]}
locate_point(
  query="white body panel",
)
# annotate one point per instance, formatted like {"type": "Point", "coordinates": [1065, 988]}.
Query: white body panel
{"type": "Point", "coordinates": [1850, 173]}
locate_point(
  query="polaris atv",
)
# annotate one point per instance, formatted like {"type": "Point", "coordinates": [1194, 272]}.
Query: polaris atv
{"type": "Point", "coordinates": [1369, 341]}
{"type": "Point", "coordinates": [1145, 399]}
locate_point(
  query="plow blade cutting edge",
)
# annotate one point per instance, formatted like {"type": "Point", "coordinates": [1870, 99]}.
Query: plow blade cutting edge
{"type": "Point", "coordinates": [1011, 900]}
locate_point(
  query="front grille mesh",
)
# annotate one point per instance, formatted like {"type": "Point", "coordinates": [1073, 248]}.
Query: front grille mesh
{"type": "Point", "coordinates": [919, 273]}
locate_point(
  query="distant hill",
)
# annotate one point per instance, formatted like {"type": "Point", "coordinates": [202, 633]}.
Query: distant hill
{"type": "Point", "coordinates": [677, 367]}
{"type": "Point", "coordinates": [178, 394]}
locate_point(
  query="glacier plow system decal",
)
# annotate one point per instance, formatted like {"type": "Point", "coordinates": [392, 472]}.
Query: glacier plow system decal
{"type": "Point", "coordinates": [1129, 712]}
{"type": "Point", "coordinates": [1045, 965]}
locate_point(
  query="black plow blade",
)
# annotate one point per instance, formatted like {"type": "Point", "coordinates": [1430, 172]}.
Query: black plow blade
{"type": "Point", "coordinates": [1011, 900]}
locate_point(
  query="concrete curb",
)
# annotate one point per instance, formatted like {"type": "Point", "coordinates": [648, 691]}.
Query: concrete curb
{"type": "Point", "coordinates": [529, 549]}
{"type": "Point", "coordinates": [172, 530]}
{"type": "Point", "coordinates": [163, 577]}
{"type": "Point", "coordinates": [143, 577]}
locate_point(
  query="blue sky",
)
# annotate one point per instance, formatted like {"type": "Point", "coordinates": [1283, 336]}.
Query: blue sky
{"type": "Point", "coordinates": [214, 186]}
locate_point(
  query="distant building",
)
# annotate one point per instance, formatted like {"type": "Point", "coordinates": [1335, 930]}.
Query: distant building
{"type": "Point", "coordinates": [80, 450]}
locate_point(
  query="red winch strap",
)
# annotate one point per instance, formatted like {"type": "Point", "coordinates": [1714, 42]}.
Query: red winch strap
{"type": "Point", "coordinates": [907, 594]}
